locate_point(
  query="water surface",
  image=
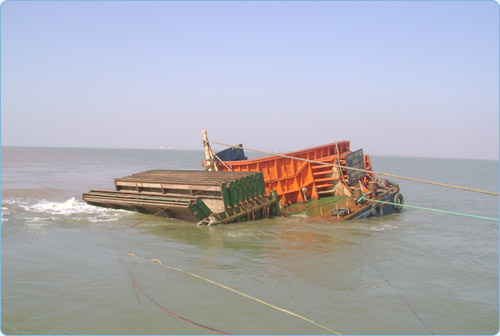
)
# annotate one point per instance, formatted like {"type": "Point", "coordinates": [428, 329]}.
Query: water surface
{"type": "Point", "coordinates": [65, 264]}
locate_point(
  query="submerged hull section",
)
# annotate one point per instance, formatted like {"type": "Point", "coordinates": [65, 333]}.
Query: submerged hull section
{"type": "Point", "coordinates": [341, 208]}
{"type": "Point", "coordinates": [204, 197]}
{"type": "Point", "coordinates": [328, 182]}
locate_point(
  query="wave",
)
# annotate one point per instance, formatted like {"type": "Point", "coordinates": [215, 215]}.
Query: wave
{"type": "Point", "coordinates": [68, 207]}
{"type": "Point", "coordinates": [50, 212]}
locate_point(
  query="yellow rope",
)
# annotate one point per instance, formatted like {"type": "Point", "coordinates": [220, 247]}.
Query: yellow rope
{"type": "Point", "coordinates": [364, 170]}
{"type": "Point", "coordinates": [238, 292]}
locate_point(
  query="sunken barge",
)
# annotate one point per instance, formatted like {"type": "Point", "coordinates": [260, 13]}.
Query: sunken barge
{"type": "Point", "coordinates": [330, 183]}
{"type": "Point", "coordinates": [203, 197]}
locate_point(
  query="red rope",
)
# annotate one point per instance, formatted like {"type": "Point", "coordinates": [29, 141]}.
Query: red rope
{"type": "Point", "coordinates": [171, 313]}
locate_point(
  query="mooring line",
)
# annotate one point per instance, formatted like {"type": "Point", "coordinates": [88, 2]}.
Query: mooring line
{"type": "Point", "coordinates": [168, 311]}
{"type": "Point", "coordinates": [142, 221]}
{"type": "Point", "coordinates": [402, 298]}
{"type": "Point", "coordinates": [237, 292]}
{"type": "Point", "coordinates": [367, 257]}
{"type": "Point", "coordinates": [435, 210]}
{"type": "Point", "coordinates": [363, 170]}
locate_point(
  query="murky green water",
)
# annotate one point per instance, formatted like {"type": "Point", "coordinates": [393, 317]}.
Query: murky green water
{"type": "Point", "coordinates": [65, 265]}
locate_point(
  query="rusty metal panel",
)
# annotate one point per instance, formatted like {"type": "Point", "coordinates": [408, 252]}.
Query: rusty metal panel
{"type": "Point", "coordinates": [355, 160]}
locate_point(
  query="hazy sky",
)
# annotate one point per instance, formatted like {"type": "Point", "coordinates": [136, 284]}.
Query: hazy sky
{"type": "Point", "coordinates": [396, 78]}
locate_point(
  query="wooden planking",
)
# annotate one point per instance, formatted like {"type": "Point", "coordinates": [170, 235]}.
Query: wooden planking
{"type": "Point", "coordinates": [179, 185]}
{"type": "Point", "coordinates": [166, 193]}
{"type": "Point", "coordinates": [191, 177]}
{"type": "Point", "coordinates": [140, 196]}
{"type": "Point", "coordinates": [181, 194]}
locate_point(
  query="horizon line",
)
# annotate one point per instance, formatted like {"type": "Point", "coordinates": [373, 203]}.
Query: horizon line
{"type": "Point", "coordinates": [201, 150]}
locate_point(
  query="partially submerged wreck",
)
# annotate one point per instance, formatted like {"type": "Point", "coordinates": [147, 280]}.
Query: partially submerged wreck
{"type": "Point", "coordinates": [329, 182]}
{"type": "Point", "coordinates": [203, 197]}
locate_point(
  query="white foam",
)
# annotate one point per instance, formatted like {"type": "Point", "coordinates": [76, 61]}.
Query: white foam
{"type": "Point", "coordinates": [239, 234]}
{"type": "Point", "coordinates": [388, 227]}
{"type": "Point", "coordinates": [5, 211]}
{"type": "Point", "coordinates": [106, 218]}
{"type": "Point", "coordinates": [34, 220]}
{"type": "Point", "coordinates": [37, 228]}
{"type": "Point", "coordinates": [11, 201]}
{"type": "Point", "coordinates": [384, 227]}
{"type": "Point", "coordinates": [71, 206]}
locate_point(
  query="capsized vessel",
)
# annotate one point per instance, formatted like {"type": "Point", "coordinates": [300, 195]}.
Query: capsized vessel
{"type": "Point", "coordinates": [328, 182]}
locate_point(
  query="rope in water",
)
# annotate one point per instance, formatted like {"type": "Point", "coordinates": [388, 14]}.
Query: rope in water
{"type": "Point", "coordinates": [168, 311]}
{"type": "Point", "coordinates": [363, 170]}
{"type": "Point", "coordinates": [402, 298]}
{"type": "Point", "coordinates": [238, 292]}
{"type": "Point", "coordinates": [142, 221]}
{"type": "Point", "coordinates": [372, 264]}
{"type": "Point", "coordinates": [430, 209]}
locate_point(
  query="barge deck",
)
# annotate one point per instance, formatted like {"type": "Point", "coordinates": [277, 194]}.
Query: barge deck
{"type": "Point", "coordinates": [204, 197]}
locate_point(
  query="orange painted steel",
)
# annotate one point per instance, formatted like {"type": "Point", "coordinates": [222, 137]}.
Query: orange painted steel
{"type": "Point", "coordinates": [297, 181]}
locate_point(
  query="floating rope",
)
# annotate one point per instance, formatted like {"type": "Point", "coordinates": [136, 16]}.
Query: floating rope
{"type": "Point", "coordinates": [168, 311]}
{"type": "Point", "coordinates": [430, 209]}
{"type": "Point", "coordinates": [364, 170]}
{"type": "Point", "coordinates": [401, 297]}
{"type": "Point", "coordinates": [140, 222]}
{"type": "Point", "coordinates": [237, 292]}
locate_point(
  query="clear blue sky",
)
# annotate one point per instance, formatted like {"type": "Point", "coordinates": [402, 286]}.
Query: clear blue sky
{"type": "Point", "coordinates": [396, 78]}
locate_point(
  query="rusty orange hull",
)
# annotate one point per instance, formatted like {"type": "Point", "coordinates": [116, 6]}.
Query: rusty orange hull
{"type": "Point", "coordinates": [298, 181]}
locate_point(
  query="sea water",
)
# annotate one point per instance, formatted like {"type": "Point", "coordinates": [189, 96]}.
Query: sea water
{"type": "Point", "coordinates": [66, 268]}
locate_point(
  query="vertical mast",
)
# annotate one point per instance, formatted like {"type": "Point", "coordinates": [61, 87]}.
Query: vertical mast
{"type": "Point", "coordinates": [209, 157]}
